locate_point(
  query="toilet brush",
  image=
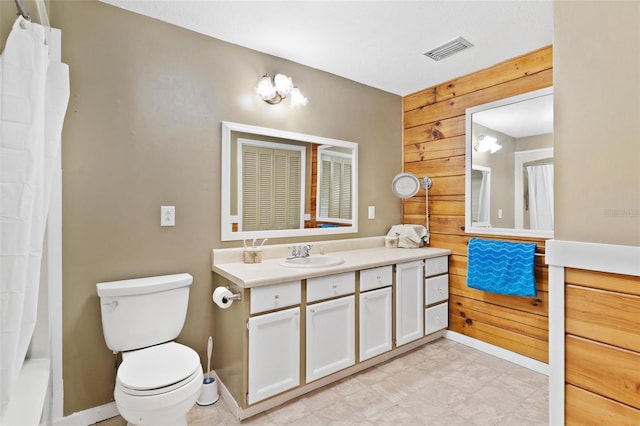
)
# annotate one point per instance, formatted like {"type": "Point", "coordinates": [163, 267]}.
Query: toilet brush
{"type": "Point", "coordinates": [209, 391]}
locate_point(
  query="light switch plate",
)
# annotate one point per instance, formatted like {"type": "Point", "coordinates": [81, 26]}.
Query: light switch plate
{"type": "Point", "coordinates": [372, 212]}
{"type": "Point", "coordinates": [167, 215]}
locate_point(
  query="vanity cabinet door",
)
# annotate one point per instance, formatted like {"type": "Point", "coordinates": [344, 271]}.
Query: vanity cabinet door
{"type": "Point", "coordinates": [330, 337]}
{"type": "Point", "coordinates": [436, 318]}
{"type": "Point", "coordinates": [409, 302]}
{"type": "Point", "coordinates": [375, 323]}
{"type": "Point", "coordinates": [274, 353]}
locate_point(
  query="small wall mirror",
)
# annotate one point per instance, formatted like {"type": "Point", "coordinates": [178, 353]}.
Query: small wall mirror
{"type": "Point", "coordinates": [283, 184]}
{"type": "Point", "coordinates": [509, 166]}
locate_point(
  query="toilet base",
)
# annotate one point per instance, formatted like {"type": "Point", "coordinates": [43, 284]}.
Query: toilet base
{"type": "Point", "coordinates": [168, 409]}
{"type": "Point", "coordinates": [152, 419]}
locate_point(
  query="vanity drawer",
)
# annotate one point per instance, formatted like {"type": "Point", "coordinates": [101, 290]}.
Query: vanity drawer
{"type": "Point", "coordinates": [436, 318]}
{"type": "Point", "coordinates": [371, 279]}
{"type": "Point", "coordinates": [436, 266]}
{"type": "Point", "coordinates": [330, 286]}
{"type": "Point", "coordinates": [274, 296]}
{"type": "Point", "coordinates": [436, 289]}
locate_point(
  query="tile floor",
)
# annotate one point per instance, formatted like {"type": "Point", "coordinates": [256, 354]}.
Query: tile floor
{"type": "Point", "coordinates": [440, 383]}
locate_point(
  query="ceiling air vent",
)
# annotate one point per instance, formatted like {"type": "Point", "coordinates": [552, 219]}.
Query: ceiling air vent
{"type": "Point", "coordinates": [448, 49]}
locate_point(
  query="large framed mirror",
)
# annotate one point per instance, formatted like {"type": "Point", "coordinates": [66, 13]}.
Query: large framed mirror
{"type": "Point", "coordinates": [277, 183]}
{"type": "Point", "coordinates": [509, 166]}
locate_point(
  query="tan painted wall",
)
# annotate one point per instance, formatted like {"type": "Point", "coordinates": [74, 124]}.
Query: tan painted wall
{"type": "Point", "coordinates": [597, 119]}
{"type": "Point", "coordinates": [143, 130]}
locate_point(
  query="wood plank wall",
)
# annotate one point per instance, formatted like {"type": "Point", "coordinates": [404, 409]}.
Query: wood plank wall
{"type": "Point", "coordinates": [602, 348]}
{"type": "Point", "coordinates": [434, 146]}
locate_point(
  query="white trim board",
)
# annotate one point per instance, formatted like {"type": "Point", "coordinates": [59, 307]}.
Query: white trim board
{"type": "Point", "coordinates": [507, 355]}
{"type": "Point", "coordinates": [611, 258]}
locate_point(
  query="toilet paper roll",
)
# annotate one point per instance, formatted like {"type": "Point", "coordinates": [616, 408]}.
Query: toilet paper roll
{"type": "Point", "coordinates": [222, 297]}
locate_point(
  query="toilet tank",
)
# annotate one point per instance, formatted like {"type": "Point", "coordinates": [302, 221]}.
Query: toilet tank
{"type": "Point", "coordinates": [143, 312]}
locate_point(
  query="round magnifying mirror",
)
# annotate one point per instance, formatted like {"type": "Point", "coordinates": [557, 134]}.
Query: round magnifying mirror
{"type": "Point", "coordinates": [405, 185]}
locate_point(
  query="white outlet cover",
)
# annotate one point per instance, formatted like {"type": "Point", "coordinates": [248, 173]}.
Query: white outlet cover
{"type": "Point", "coordinates": [167, 215]}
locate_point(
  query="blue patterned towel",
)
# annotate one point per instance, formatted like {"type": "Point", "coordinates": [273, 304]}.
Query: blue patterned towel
{"type": "Point", "coordinates": [502, 267]}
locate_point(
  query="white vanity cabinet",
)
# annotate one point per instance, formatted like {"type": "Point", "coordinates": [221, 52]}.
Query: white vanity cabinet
{"type": "Point", "coordinates": [274, 341]}
{"type": "Point", "coordinates": [375, 311]}
{"type": "Point", "coordinates": [436, 294]}
{"type": "Point", "coordinates": [330, 325]}
{"type": "Point", "coordinates": [291, 330]}
{"type": "Point", "coordinates": [409, 302]}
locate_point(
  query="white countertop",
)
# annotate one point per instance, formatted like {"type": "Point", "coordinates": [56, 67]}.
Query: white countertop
{"type": "Point", "coordinates": [269, 271]}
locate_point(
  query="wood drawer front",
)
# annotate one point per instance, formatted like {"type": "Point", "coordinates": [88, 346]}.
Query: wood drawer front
{"type": "Point", "coordinates": [605, 316]}
{"type": "Point", "coordinates": [436, 289]}
{"type": "Point", "coordinates": [436, 266]}
{"type": "Point", "coordinates": [586, 408]}
{"type": "Point", "coordinates": [602, 369]}
{"type": "Point", "coordinates": [371, 279]}
{"type": "Point", "coordinates": [330, 286]}
{"type": "Point", "coordinates": [274, 296]}
{"type": "Point", "coordinates": [436, 318]}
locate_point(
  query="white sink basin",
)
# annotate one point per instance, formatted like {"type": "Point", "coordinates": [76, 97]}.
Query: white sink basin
{"type": "Point", "coordinates": [320, 261]}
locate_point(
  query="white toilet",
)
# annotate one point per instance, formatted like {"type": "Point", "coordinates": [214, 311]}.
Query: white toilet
{"type": "Point", "coordinates": [159, 380]}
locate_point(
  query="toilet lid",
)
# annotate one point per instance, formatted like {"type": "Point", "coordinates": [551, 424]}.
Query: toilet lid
{"type": "Point", "coordinates": [157, 366]}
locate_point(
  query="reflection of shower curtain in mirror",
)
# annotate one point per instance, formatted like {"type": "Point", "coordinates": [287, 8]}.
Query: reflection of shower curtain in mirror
{"type": "Point", "coordinates": [480, 195]}
{"type": "Point", "coordinates": [541, 196]}
{"type": "Point", "coordinates": [483, 202]}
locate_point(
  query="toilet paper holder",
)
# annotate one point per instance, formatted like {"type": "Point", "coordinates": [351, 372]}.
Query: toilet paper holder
{"type": "Point", "coordinates": [234, 296]}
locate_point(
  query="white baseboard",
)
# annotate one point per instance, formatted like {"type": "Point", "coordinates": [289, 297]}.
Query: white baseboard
{"type": "Point", "coordinates": [499, 352]}
{"type": "Point", "coordinates": [89, 417]}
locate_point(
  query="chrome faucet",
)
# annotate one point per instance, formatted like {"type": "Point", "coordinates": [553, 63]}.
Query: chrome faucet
{"type": "Point", "coordinates": [300, 251]}
{"type": "Point", "coordinates": [304, 251]}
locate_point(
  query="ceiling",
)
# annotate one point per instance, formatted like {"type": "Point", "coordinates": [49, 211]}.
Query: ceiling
{"type": "Point", "coordinates": [377, 43]}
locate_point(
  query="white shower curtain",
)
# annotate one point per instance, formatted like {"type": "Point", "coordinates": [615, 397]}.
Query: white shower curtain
{"type": "Point", "coordinates": [541, 196]}
{"type": "Point", "coordinates": [34, 93]}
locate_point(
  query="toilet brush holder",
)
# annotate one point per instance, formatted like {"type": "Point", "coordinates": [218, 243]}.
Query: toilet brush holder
{"type": "Point", "coordinates": [208, 392]}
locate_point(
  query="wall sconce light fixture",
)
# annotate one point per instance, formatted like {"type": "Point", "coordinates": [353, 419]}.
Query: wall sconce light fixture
{"type": "Point", "coordinates": [487, 144]}
{"type": "Point", "coordinates": [273, 91]}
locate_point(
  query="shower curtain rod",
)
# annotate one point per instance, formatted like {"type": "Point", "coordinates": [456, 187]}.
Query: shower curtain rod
{"type": "Point", "coordinates": [23, 10]}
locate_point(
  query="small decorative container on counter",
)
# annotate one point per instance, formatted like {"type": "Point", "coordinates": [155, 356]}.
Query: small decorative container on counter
{"type": "Point", "coordinates": [253, 255]}
{"type": "Point", "coordinates": [391, 242]}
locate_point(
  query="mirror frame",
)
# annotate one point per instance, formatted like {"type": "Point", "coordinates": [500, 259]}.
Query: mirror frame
{"type": "Point", "coordinates": [225, 202]}
{"type": "Point", "coordinates": [469, 228]}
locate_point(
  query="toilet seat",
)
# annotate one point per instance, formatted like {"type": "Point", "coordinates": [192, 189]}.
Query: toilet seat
{"type": "Point", "coordinates": [157, 369]}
